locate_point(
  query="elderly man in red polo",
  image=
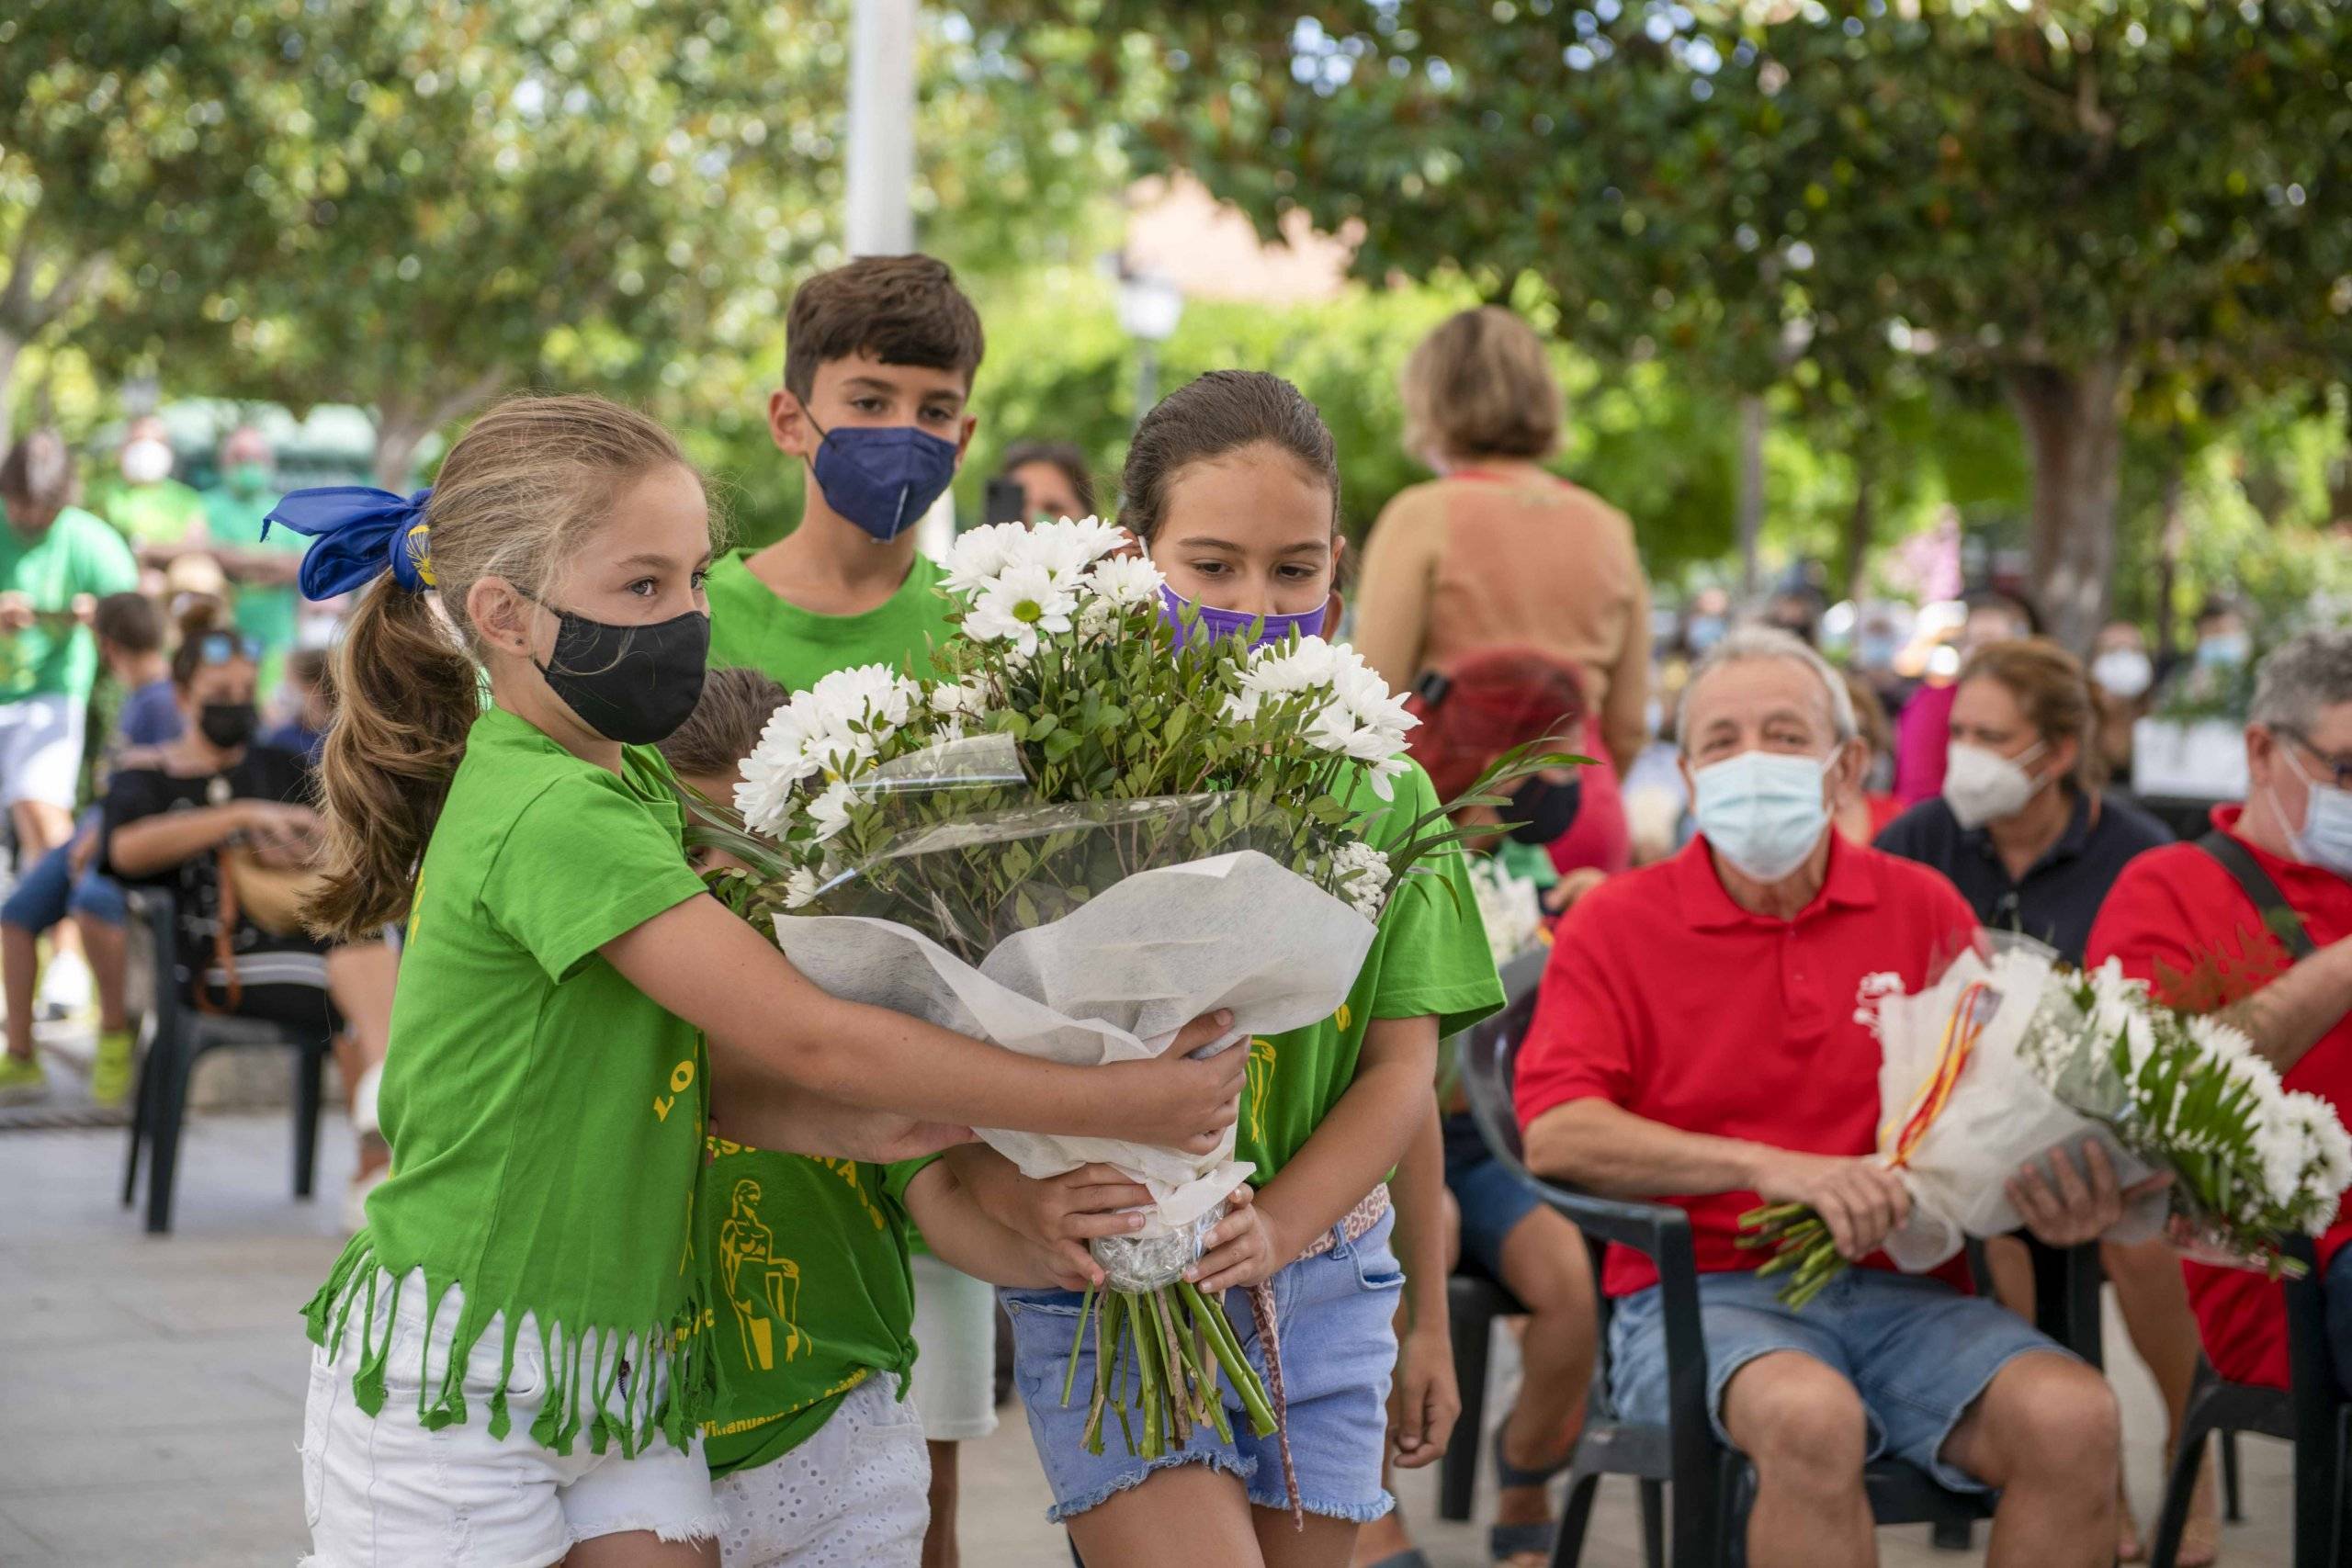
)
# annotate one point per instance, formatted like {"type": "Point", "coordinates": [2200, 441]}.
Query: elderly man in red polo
{"type": "Point", "coordinates": [1696, 1041]}
{"type": "Point", "coordinates": [2255, 922]}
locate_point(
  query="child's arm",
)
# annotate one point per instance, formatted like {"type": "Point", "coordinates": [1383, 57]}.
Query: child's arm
{"type": "Point", "coordinates": [765, 1020]}
{"type": "Point", "coordinates": [766, 1114]}
{"type": "Point", "coordinates": [1426, 1398]}
{"type": "Point", "coordinates": [1345, 1157]}
{"type": "Point", "coordinates": [961, 1236]}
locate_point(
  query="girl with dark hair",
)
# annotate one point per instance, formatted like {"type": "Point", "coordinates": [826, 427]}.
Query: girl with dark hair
{"type": "Point", "coordinates": [1233, 488]}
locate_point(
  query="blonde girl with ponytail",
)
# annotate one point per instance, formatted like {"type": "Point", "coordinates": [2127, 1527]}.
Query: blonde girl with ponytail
{"type": "Point", "coordinates": [510, 1362]}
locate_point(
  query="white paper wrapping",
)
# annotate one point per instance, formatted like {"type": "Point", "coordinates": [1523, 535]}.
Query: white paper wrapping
{"type": "Point", "coordinates": [1114, 981]}
{"type": "Point", "coordinates": [1999, 1115]}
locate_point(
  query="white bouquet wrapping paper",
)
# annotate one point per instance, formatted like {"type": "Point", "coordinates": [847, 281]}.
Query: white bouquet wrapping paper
{"type": "Point", "coordinates": [1112, 981]}
{"type": "Point", "coordinates": [1998, 1116]}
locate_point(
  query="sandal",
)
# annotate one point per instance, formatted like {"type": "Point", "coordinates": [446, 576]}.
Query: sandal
{"type": "Point", "coordinates": [1507, 1542]}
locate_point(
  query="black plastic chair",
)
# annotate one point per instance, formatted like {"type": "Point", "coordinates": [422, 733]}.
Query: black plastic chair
{"type": "Point", "coordinates": [1685, 1474]}
{"type": "Point", "coordinates": [2312, 1413]}
{"type": "Point", "coordinates": [178, 1035]}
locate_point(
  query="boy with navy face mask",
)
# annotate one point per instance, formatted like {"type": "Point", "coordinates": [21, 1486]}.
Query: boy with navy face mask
{"type": "Point", "coordinates": [815, 1352]}
{"type": "Point", "coordinates": [878, 373]}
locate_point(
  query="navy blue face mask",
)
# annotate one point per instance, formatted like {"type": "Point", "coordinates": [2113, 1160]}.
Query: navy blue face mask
{"type": "Point", "coordinates": [882, 478]}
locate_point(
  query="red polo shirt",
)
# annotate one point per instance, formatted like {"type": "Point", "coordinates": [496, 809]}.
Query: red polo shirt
{"type": "Point", "coordinates": [2180, 922]}
{"type": "Point", "coordinates": [1666, 998]}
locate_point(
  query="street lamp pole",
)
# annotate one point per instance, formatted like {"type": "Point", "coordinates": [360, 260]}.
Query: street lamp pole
{"type": "Point", "coordinates": [881, 218]}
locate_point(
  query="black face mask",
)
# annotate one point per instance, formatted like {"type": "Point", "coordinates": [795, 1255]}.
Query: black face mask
{"type": "Point", "coordinates": [228, 725]}
{"type": "Point", "coordinates": [633, 684]}
{"type": "Point", "coordinates": [1545, 810]}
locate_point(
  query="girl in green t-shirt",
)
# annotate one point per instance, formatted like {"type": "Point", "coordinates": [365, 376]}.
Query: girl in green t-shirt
{"type": "Point", "coordinates": [1232, 486]}
{"type": "Point", "coordinates": [525, 1285]}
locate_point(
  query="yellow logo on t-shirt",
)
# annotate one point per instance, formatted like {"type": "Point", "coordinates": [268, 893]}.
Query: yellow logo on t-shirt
{"type": "Point", "coordinates": [762, 1286]}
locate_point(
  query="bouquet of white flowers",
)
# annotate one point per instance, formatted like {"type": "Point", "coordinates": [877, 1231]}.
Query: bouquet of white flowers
{"type": "Point", "coordinates": [1073, 843]}
{"type": "Point", "coordinates": [2011, 1054]}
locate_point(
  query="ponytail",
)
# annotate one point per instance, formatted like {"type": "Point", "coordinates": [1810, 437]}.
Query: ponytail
{"type": "Point", "coordinates": [409, 695]}
{"type": "Point", "coordinates": [517, 496]}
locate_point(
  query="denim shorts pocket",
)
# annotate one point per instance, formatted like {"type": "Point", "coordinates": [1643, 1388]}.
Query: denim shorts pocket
{"type": "Point", "coordinates": [1044, 1325]}
{"type": "Point", "coordinates": [1376, 1267]}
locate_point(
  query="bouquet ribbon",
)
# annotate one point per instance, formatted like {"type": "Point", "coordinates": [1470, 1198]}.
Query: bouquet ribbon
{"type": "Point", "coordinates": [1962, 1030]}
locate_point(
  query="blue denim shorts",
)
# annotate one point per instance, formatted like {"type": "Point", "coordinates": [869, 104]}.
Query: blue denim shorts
{"type": "Point", "coordinates": [1918, 1352]}
{"type": "Point", "coordinates": [1336, 1316]}
{"type": "Point", "coordinates": [48, 891]}
{"type": "Point", "coordinates": [1492, 1200]}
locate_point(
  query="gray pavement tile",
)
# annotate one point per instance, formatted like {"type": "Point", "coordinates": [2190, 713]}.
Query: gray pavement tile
{"type": "Point", "coordinates": [249, 1457]}
{"type": "Point", "coordinates": [20, 1548]}
{"type": "Point", "coordinates": [201, 1523]}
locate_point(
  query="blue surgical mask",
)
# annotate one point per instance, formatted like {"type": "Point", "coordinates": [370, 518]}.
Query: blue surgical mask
{"type": "Point", "coordinates": [2228, 651]}
{"type": "Point", "coordinates": [1215, 625]}
{"type": "Point", "coordinates": [882, 478]}
{"type": "Point", "coordinates": [2326, 838]}
{"type": "Point", "coordinates": [1763, 811]}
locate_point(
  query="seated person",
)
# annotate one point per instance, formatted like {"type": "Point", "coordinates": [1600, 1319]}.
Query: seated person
{"type": "Point", "coordinates": [1053, 478]}
{"type": "Point", "coordinates": [310, 702]}
{"type": "Point", "coordinates": [2178, 919]}
{"type": "Point", "coordinates": [65, 882]}
{"type": "Point", "coordinates": [172, 823]}
{"type": "Point", "coordinates": [1695, 1042]}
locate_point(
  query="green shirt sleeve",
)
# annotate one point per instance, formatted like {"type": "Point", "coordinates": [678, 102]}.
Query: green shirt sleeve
{"type": "Point", "coordinates": [534, 889]}
{"type": "Point", "coordinates": [1435, 958]}
{"type": "Point", "coordinates": [896, 1178]}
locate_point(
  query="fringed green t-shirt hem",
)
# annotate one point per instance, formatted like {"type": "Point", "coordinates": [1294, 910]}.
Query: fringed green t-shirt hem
{"type": "Point", "coordinates": [666, 1363]}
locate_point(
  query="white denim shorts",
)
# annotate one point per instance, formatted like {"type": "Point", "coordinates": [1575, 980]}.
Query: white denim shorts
{"type": "Point", "coordinates": [383, 1491]}
{"type": "Point", "coordinates": [41, 749]}
{"type": "Point", "coordinates": [955, 1376]}
{"type": "Point", "coordinates": [856, 1494]}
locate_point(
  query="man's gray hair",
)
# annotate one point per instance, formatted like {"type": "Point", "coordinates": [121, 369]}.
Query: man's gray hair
{"type": "Point", "coordinates": [2302, 676]}
{"type": "Point", "coordinates": [1746, 643]}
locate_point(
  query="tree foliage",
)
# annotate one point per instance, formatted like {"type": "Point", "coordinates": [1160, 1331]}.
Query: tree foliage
{"type": "Point", "coordinates": [2058, 196]}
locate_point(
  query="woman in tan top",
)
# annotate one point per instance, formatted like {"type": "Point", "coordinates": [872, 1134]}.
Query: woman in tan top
{"type": "Point", "coordinates": [1496, 549]}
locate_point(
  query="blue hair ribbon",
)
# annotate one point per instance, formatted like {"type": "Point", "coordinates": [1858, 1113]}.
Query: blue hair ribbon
{"type": "Point", "coordinates": [362, 533]}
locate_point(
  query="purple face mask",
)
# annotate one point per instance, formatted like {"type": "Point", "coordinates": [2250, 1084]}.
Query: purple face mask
{"type": "Point", "coordinates": [1215, 625]}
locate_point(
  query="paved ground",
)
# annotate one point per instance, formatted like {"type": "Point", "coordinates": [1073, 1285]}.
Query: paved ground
{"type": "Point", "coordinates": [150, 1389]}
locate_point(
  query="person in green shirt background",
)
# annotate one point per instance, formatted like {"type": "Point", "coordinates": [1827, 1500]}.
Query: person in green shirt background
{"type": "Point", "coordinates": [56, 562]}
{"type": "Point", "coordinates": [151, 508]}
{"type": "Point", "coordinates": [879, 359]}
{"type": "Point", "coordinates": [268, 609]}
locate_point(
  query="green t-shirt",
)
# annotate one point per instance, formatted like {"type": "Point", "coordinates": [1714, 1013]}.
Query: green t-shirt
{"type": "Point", "coordinates": [265, 611]}
{"type": "Point", "coordinates": [1429, 957]}
{"type": "Point", "coordinates": [751, 627]}
{"type": "Point", "coordinates": [804, 1259]}
{"type": "Point", "coordinates": [164, 512]}
{"type": "Point", "coordinates": [545, 1116]}
{"type": "Point", "coordinates": [77, 555]}
{"type": "Point", "coordinates": [1529, 863]}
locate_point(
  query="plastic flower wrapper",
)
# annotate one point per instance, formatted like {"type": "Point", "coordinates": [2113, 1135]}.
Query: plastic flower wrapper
{"type": "Point", "coordinates": [1072, 841]}
{"type": "Point", "coordinates": [2011, 1054]}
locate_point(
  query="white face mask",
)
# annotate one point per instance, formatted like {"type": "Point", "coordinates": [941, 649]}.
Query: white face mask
{"type": "Point", "coordinates": [1763, 811]}
{"type": "Point", "coordinates": [146, 460]}
{"type": "Point", "coordinates": [2326, 838]}
{"type": "Point", "coordinates": [1981, 786]}
{"type": "Point", "coordinates": [2123, 673]}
